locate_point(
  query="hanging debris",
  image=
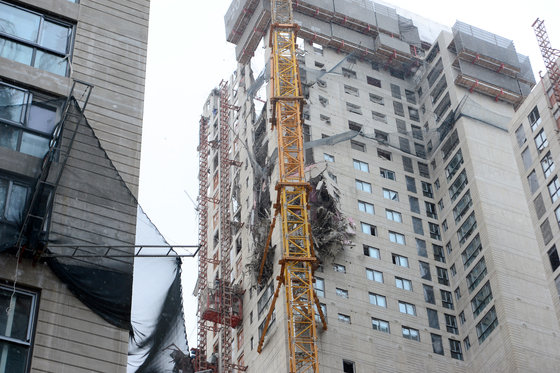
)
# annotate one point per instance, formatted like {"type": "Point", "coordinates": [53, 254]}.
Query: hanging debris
{"type": "Point", "coordinates": [330, 229]}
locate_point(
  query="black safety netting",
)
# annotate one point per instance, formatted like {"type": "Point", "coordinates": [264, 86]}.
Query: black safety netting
{"type": "Point", "coordinates": [88, 235]}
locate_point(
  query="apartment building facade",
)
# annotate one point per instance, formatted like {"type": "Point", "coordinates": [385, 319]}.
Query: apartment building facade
{"type": "Point", "coordinates": [442, 266]}
{"type": "Point", "coordinates": [68, 177]}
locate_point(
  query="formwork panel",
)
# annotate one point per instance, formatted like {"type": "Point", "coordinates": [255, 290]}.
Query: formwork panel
{"type": "Point", "coordinates": [359, 9]}
{"type": "Point", "coordinates": [352, 36]}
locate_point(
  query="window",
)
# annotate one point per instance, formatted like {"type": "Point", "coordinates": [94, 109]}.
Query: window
{"type": "Point", "coordinates": [25, 123]}
{"type": "Point", "coordinates": [401, 126]}
{"type": "Point", "coordinates": [520, 136]}
{"type": "Point", "coordinates": [439, 254]}
{"type": "Point", "coordinates": [319, 286]}
{"type": "Point", "coordinates": [265, 298]}
{"type": "Point", "coordinates": [376, 99]}
{"type": "Point", "coordinates": [323, 100]}
{"type": "Point", "coordinates": [363, 186]}
{"type": "Point", "coordinates": [471, 251]}
{"type": "Point", "coordinates": [396, 238]}
{"type": "Point", "coordinates": [374, 275]}
{"type": "Point", "coordinates": [427, 190]}
{"type": "Point", "coordinates": [429, 296]}
{"type": "Point", "coordinates": [381, 136]}
{"type": "Point", "coordinates": [377, 300]}
{"type": "Point", "coordinates": [365, 207]}
{"type": "Point", "coordinates": [374, 82]}
{"type": "Point", "coordinates": [533, 181]}
{"type": "Point", "coordinates": [400, 260]}
{"type": "Point", "coordinates": [339, 268]}
{"type": "Point", "coordinates": [35, 39]}
{"type": "Point", "coordinates": [462, 318]}
{"type": "Point", "coordinates": [421, 248]}
{"type": "Point", "coordinates": [410, 96]}
{"type": "Point", "coordinates": [554, 189]}
{"type": "Point", "coordinates": [410, 184]}
{"type": "Point", "coordinates": [457, 292]}
{"type": "Point", "coordinates": [356, 109]}
{"type": "Point", "coordinates": [467, 343]}
{"type": "Point", "coordinates": [369, 229]}
{"type": "Point", "coordinates": [328, 157]}
{"type": "Point", "coordinates": [380, 117]}
{"type": "Point", "coordinates": [553, 256]}
{"type": "Point", "coordinates": [413, 114]}
{"type": "Point", "coordinates": [344, 318]}
{"type": "Point", "coordinates": [347, 73]}
{"type": "Point", "coordinates": [488, 323]}
{"type": "Point", "coordinates": [434, 230]}
{"type": "Point", "coordinates": [431, 211]}
{"type": "Point", "coordinates": [387, 174]}
{"type": "Point", "coordinates": [384, 154]}
{"type": "Point", "coordinates": [453, 270]}
{"type": "Point", "coordinates": [381, 325]}
{"type": "Point", "coordinates": [395, 91]}
{"type": "Point", "coordinates": [398, 108]}
{"type": "Point", "coordinates": [359, 146]}
{"type": "Point", "coordinates": [441, 206]}
{"type": "Point", "coordinates": [372, 252]}
{"type": "Point", "coordinates": [410, 333]}
{"type": "Point", "coordinates": [526, 157]}
{"type": "Point", "coordinates": [433, 321]}
{"type": "Point", "coordinates": [462, 207]}
{"type": "Point", "coordinates": [458, 185]}
{"type": "Point", "coordinates": [534, 118]}
{"type": "Point", "coordinates": [481, 299]}
{"type": "Point", "coordinates": [455, 349]}
{"type": "Point", "coordinates": [446, 299]}
{"type": "Point", "coordinates": [557, 212]}
{"type": "Point", "coordinates": [414, 204]}
{"type": "Point", "coordinates": [403, 283]}
{"type": "Point", "coordinates": [464, 232]}
{"type": "Point", "coordinates": [348, 366]}
{"type": "Point", "coordinates": [354, 126]}
{"type": "Point", "coordinates": [361, 166]}
{"type": "Point", "coordinates": [443, 277]}
{"type": "Point", "coordinates": [547, 165]}
{"type": "Point", "coordinates": [437, 344]}
{"type": "Point", "coordinates": [13, 199]}
{"type": "Point", "coordinates": [417, 226]}
{"type": "Point", "coordinates": [393, 215]}
{"type": "Point", "coordinates": [425, 271]}
{"type": "Point", "coordinates": [476, 275]}
{"type": "Point", "coordinates": [390, 194]}
{"type": "Point", "coordinates": [454, 165]}
{"type": "Point", "coordinates": [451, 324]}
{"type": "Point", "coordinates": [351, 90]}
{"type": "Point", "coordinates": [17, 319]}
{"type": "Point", "coordinates": [541, 141]}
{"type": "Point", "coordinates": [407, 308]}
{"type": "Point", "coordinates": [342, 292]}
{"type": "Point", "coordinates": [423, 170]}
{"type": "Point", "coordinates": [407, 164]}
{"type": "Point", "coordinates": [317, 48]}
{"type": "Point", "coordinates": [435, 73]}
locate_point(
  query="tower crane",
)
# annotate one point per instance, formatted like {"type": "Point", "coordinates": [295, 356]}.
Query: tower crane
{"type": "Point", "coordinates": [297, 260]}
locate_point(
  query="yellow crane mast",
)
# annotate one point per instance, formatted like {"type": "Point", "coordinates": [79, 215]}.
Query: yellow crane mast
{"type": "Point", "coordinates": [292, 194]}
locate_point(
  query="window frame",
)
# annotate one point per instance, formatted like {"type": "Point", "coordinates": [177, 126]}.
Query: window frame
{"type": "Point", "coordinates": [35, 46]}
{"type": "Point", "coordinates": [32, 321]}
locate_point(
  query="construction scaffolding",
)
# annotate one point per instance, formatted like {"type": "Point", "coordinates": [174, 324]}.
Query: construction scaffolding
{"type": "Point", "coordinates": [551, 60]}
{"type": "Point", "coordinates": [489, 64]}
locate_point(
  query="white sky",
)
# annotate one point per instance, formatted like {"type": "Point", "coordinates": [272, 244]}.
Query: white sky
{"type": "Point", "coordinates": [188, 56]}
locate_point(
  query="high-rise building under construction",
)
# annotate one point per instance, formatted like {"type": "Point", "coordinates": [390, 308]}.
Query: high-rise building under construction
{"type": "Point", "coordinates": [433, 199]}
